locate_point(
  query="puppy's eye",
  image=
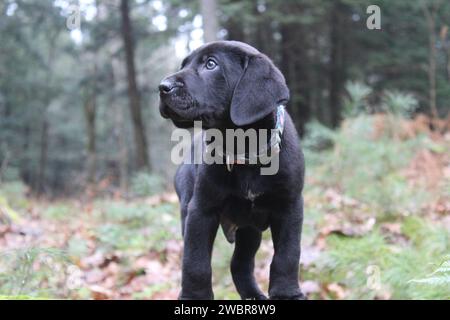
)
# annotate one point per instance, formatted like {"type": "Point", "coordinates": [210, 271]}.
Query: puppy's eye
{"type": "Point", "coordinates": [210, 64]}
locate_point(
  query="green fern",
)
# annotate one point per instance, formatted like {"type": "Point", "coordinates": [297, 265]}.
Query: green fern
{"type": "Point", "coordinates": [440, 277]}
{"type": "Point", "coordinates": [356, 102]}
{"type": "Point", "coordinates": [399, 104]}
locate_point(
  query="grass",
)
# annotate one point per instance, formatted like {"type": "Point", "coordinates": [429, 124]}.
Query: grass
{"type": "Point", "coordinates": [347, 261]}
{"type": "Point", "coordinates": [369, 170]}
{"type": "Point", "coordinates": [365, 172]}
{"type": "Point", "coordinates": [18, 276]}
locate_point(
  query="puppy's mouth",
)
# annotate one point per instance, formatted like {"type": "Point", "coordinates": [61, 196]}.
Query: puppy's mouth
{"type": "Point", "coordinates": [168, 113]}
{"type": "Point", "coordinates": [179, 120]}
{"type": "Point", "coordinates": [177, 103]}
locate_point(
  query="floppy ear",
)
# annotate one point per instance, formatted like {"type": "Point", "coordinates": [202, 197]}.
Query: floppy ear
{"type": "Point", "coordinates": [259, 91]}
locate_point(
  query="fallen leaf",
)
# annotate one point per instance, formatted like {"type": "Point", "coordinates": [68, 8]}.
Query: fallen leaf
{"type": "Point", "coordinates": [337, 290]}
{"type": "Point", "coordinates": [100, 293]}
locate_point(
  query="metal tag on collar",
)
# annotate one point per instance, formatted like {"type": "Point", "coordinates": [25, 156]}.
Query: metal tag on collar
{"type": "Point", "coordinates": [229, 163]}
{"type": "Point", "coordinates": [276, 149]}
{"type": "Point", "coordinates": [281, 117]}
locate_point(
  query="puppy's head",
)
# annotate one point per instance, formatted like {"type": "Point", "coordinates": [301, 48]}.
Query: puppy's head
{"type": "Point", "coordinates": [222, 83]}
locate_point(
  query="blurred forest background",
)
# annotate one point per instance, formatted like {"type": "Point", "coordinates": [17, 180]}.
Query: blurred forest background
{"type": "Point", "coordinates": [87, 209]}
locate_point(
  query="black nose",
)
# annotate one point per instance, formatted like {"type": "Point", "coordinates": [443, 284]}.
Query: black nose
{"type": "Point", "coordinates": [166, 86]}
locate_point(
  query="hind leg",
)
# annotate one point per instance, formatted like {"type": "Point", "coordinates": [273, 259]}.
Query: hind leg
{"type": "Point", "coordinates": [243, 263]}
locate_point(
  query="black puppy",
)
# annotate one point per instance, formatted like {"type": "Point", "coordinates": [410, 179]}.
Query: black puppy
{"type": "Point", "coordinates": [229, 85]}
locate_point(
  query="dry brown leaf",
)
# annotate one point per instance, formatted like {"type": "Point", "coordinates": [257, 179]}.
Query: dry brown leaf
{"type": "Point", "coordinates": [394, 227]}
{"type": "Point", "coordinates": [154, 200]}
{"type": "Point", "coordinates": [94, 276]}
{"type": "Point", "coordinates": [100, 293]}
{"type": "Point", "coordinates": [93, 260]}
{"type": "Point", "coordinates": [339, 224]}
{"type": "Point", "coordinates": [170, 197]}
{"type": "Point", "coordinates": [337, 290]}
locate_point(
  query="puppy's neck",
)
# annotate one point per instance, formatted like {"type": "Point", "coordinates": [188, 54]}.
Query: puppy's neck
{"type": "Point", "coordinates": [267, 125]}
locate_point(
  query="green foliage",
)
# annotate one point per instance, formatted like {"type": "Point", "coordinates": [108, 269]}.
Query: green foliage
{"type": "Point", "coordinates": [367, 166]}
{"type": "Point", "coordinates": [14, 194]}
{"type": "Point", "coordinates": [368, 169]}
{"type": "Point", "coordinates": [21, 297]}
{"type": "Point", "coordinates": [395, 103]}
{"type": "Point", "coordinates": [347, 261]}
{"type": "Point", "coordinates": [356, 101]}
{"type": "Point", "coordinates": [145, 184]}
{"type": "Point", "coordinates": [7, 214]}
{"type": "Point", "coordinates": [124, 213]}
{"type": "Point", "coordinates": [137, 227]}
{"type": "Point", "coordinates": [77, 247]}
{"type": "Point", "coordinates": [440, 277]}
{"type": "Point", "coordinates": [399, 104]}
{"type": "Point", "coordinates": [114, 236]}
{"type": "Point", "coordinates": [33, 272]}
{"type": "Point", "coordinates": [10, 174]}
{"type": "Point", "coordinates": [58, 211]}
{"type": "Point", "coordinates": [151, 290]}
{"type": "Point", "coordinates": [318, 137]}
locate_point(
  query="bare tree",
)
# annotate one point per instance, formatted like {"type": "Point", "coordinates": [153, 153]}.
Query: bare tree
{"type": "Point", "coordinates": [119, 128]}
{"type": "Point", "coordinates": [4, 164]}
{"type": "Point", "coordinates": [446, 49]}
{"type": "Point", "coordinates": [43, 148]}
{"type": "Point", "coordinates": [430, 15]}
{"type": "Point", "coordinates": [293, 62]}
{"type": "Point", "coordinates": [337, 61]}
{"type": "Point", "coordinates": [90, 115]}
{"type": "Point", "coordinates": [142, 159]}
{"type": "Point", "coordinates": [210, 23]}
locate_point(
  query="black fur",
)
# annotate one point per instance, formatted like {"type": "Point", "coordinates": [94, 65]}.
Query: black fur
{"type": "Point", "coordinates": [243, 90]}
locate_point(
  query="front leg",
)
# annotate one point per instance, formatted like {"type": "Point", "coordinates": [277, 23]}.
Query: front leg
{"type": "Point", "coordinates": [286, 229]}
{"type": "Point", "coordinates": [200, 232]}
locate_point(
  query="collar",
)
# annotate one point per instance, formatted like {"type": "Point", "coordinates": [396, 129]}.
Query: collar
{"type": "Point", "coordinates": [274, 145]}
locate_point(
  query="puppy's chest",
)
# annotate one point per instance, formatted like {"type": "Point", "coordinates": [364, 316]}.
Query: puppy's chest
{"type": "Point", "coordinates": [245, 205]}
{"type": "Point", "coordinates": [250, 188]}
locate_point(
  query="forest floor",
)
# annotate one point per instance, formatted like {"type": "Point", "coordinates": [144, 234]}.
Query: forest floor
{"type": "Point", "coordinates": [376, 226]}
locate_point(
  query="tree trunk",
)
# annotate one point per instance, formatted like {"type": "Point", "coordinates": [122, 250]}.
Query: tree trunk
{"type": "Point", "coordinates": [430, 15]}
{"type": "Point", "coordinates": [119, 129]}
{"type": "Point", "coordinates": [446, 50]}
{"type": "Point", "coordinates": [40, 184]}
{"type": "Point", "coordinates": [234, 26]}
{"type": "Point", "coordinates": [210, 23]}
{"type": "Point", "coordinates": [235, 30]}
{"type": "Point", "coordinates": [4, 164]}
{"type": "Point", "coordinates": [337, 70]}
{"type": "Point", "coordinates": [142, 159]}
{"type": "Point", "coordinates": [294, 63]}
{"type": "Point", "coordinates": [263, 33]}
{"type": "Point", "coordinates": [26, 172]}
{"type": "Point", "coordinates": [90, 115]}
